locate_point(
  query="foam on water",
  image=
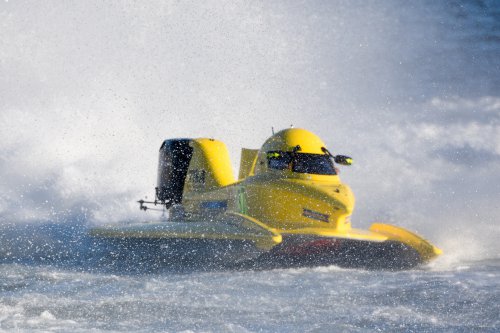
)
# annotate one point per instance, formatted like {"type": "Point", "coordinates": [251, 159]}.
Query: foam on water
{"type": "Point", "coordinates": [261, 301]}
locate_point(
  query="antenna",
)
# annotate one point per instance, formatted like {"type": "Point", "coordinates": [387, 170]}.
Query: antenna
{"type": "Point", "coordinates": [272, 129]}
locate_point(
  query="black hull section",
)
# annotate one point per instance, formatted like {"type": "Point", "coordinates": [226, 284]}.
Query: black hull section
{"type": "Point", "coordinates": [153, 254]}
{"type": "Point", "coordinates": [140, 254]}
{"type": "Point", "coordinates": [304, 251]}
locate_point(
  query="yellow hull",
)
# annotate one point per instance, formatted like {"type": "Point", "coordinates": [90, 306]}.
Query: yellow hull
{"type": "Point", "coordinates": [297, 212]}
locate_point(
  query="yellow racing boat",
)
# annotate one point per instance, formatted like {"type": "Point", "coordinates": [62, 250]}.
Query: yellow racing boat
{"type": "Point", "coordinates": [288, 207]}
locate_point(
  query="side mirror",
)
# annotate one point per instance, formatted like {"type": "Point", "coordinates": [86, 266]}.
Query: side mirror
{"type": "Point", "coordinates": [343, 160]}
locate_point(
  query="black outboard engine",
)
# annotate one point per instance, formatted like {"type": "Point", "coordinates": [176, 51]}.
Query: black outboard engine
{"type": "Point", "coordinates": [173, 164]}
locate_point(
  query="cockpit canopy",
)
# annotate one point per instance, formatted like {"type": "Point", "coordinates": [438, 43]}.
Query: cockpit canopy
{"type": "Point", "coordinates": [297, 150]}
{"type": "Point", "coordinates": [319, 164]}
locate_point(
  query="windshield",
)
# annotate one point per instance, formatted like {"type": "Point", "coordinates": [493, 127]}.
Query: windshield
{"type": "Point", "coordinates": [319, 164]}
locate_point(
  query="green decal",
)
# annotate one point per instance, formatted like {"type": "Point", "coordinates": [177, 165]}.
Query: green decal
{"type": "Point", "coordinates": [242, 201]}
